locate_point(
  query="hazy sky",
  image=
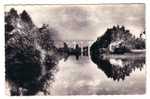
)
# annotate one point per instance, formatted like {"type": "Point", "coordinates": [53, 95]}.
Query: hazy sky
{"type": "Point", "coordinates": [86, 21]}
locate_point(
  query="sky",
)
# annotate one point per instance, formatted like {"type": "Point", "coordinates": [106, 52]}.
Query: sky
{"type": "Point", "coordinates": [86, 22]}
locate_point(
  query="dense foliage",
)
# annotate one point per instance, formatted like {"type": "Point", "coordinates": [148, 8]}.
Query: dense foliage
{"type": "Point", "coordinates": [115, 34]}
{"type": "Point", "coordinates": [28, 70]}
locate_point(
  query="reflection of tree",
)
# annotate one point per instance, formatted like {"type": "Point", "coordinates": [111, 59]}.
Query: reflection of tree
{"type": "Point", "coordinates": [117, 72]}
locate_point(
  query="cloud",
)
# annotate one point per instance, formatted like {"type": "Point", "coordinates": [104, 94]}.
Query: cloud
{"type": "Point", "coordinates": [87, 21]}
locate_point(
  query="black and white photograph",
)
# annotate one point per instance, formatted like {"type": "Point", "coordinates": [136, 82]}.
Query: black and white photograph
{"type": "Point", "coordinates": [75, 49]}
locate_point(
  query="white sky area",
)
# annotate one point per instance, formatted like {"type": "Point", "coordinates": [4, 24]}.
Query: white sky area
{"type": "Point", "coordinates": [86, 22]}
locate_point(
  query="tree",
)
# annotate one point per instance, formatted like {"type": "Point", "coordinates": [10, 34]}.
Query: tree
{"type": "Point", "coordinates": [24, 60]}
{"type": "Point", "coordinates": [113, 35]}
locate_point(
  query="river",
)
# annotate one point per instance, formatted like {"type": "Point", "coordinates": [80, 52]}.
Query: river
{"type": "Point", "coordinates": [83, 77]}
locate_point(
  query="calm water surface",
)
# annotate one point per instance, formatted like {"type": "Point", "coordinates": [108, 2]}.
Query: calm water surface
{"type": "Point", "coordinates": [83, 77]}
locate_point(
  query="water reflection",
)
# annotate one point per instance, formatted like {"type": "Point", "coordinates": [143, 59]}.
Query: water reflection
{"type": "Point", "coordinates": [120, 68]}
{"type": "Point", "coordinates": [83, 77]}
{"type": "Point", "coordinates": [82, 74]}
{"type": "Point", "coordinates": [115, 68]}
